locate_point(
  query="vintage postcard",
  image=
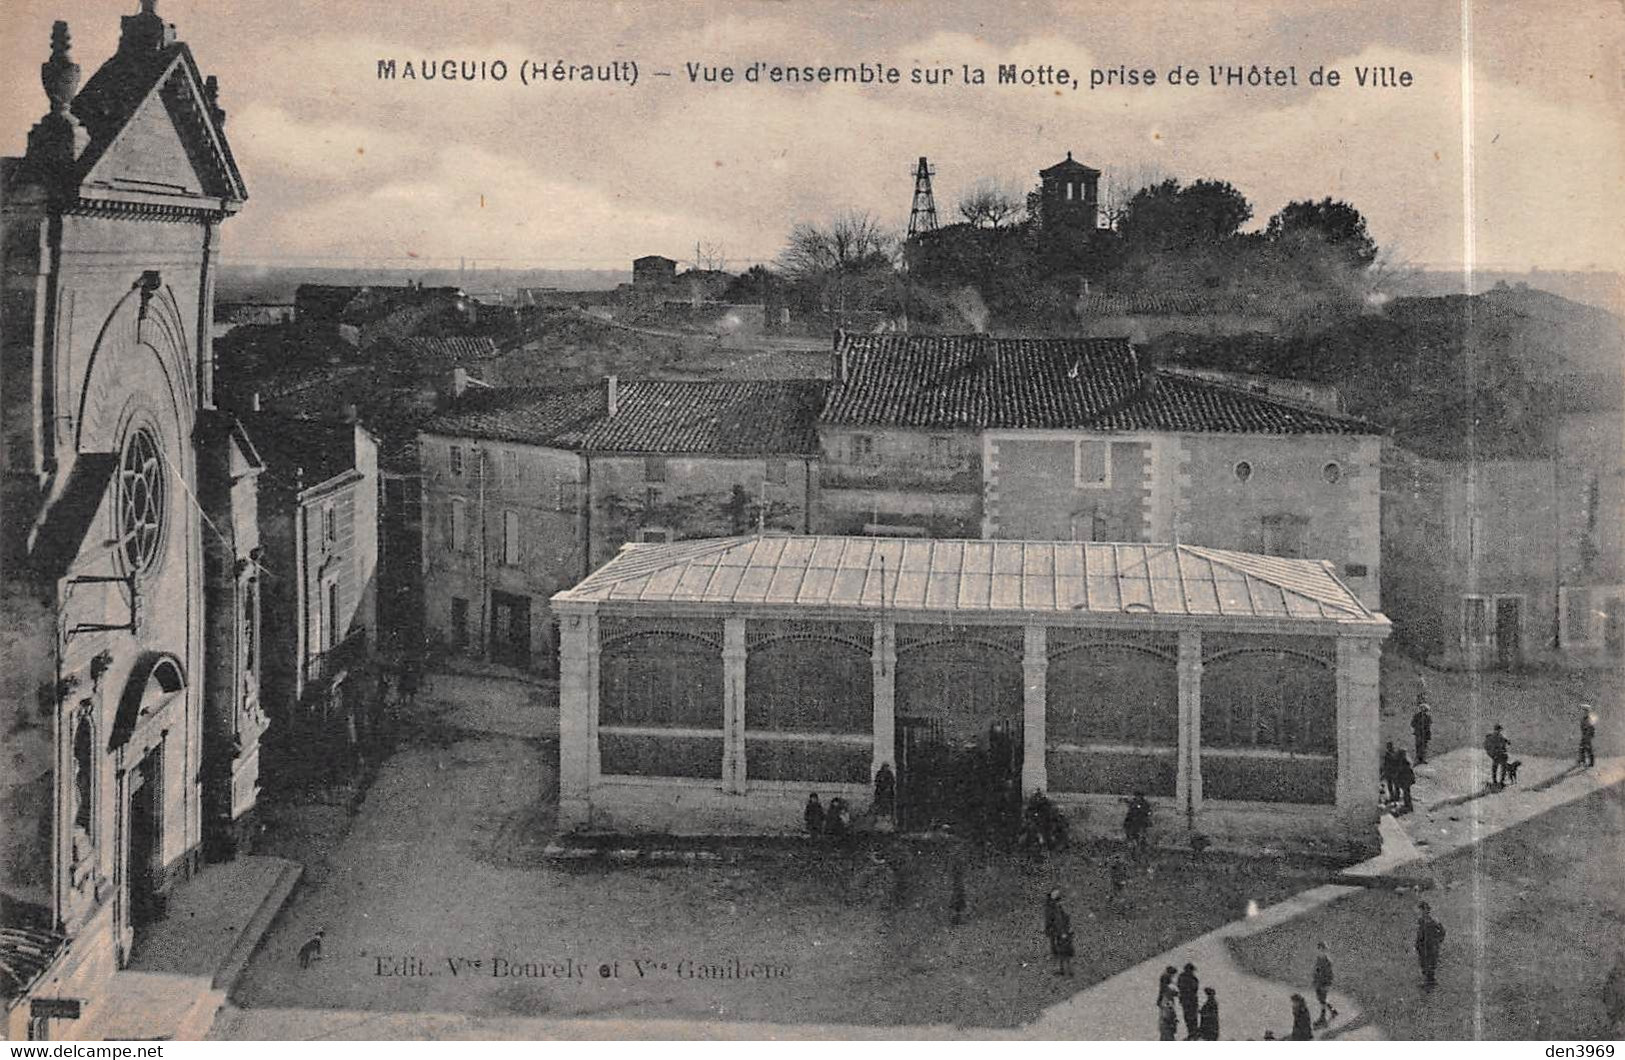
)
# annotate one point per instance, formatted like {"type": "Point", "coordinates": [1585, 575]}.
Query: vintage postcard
{"type": "Point", "coordinates": [755, 520]}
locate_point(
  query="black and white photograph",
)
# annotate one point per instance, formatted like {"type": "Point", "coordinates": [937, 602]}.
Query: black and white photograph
{"type": "Point", "coordinates": [760, 520]}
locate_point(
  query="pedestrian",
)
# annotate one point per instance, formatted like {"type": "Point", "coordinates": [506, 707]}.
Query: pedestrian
{"type": "Point", "coordinates": [1429, 939]}
{"type": "Point", "coordinates": [1167, 1017]}
{"type": "Point", "coordinates": [1137, 823]}
{"type": "Point", "coordinates": [1422, 728]}
{"type": "Point", "coordinates": [813, 815]}
{"type": "Point", "coordinates": [1404, 777]}
{"type": "Point", "coordinates": [1323, 983]}
{"type": "Point", "coordinates": [1208, 1019]}
{"type": "Point", "coordinates": [1168, 975]}
{"type": "Point", "coordinates": [1390, 790]}
{"type": "Point", "coordinates": [885, 792]}
{"type": "Point", "coordinates": [1190, 999]}
{"type": "Point", "coordinates": [1497, 746]}
{"type": "Point", "coordinates": [837, 818]}
{"type": "Point", "coordinates": [1588, 735]}
{"type": "Point", "coordinates": [1302, 1029]}
{"type": "Point", "coordinates": [1058, 929]}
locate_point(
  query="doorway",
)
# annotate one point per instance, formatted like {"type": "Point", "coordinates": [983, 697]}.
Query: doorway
{"type": "Point", "coordinates": [510, 630]}
{"type": "Point", "coordinates": [145, 849]}
{"type": "Point", "coordinates": [973, 787]}
{"type": "Point", "coordinates": [1508, 631]}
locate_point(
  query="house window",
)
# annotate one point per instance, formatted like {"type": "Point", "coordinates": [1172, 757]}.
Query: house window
{"type": "Point", "coordinates": [1284, 535]}
{"type": "Point", "coordinates": [330, 525]}
{"type": "Point", "coordinates": [566, 497]}
{"type": "Point", "coordinates": [510, 538]}
{"type": "Point", "coordinates": [1091, 464]}
{"type": "Point", "coordinates": [330, 630]}
{"type": "Point", "coordinates": [862, 448]}
{"type": "Point", "coordinates": [654, 469]}
{"type": "Point", "coordinates": [456, 460]}
{"type": "Point", "coordinates": [1244, 471]}
{"type": "Point", "coordinates": [776, 472]}
{"type": "Point", "coordinates": [83, 777]}
{"type": "Point", "coordinates": [459, 622]}
{"type": "Point", "coordinates": [1475, 621]}
{"type": "Point", "coordinates": [652, 498]}
{"type": "Point", "coordinates": [1332, 472]}
{"type": "Point", "coordinates": [459, 524]}
{"type": "Point", "coordinates": [658, 535]}
{"type": "Point", "coordinates": [1576, 616]}
{"type": "Point", "coordinates": [251, 617]}
{"type": "Point", "coordinates": [511, 468]}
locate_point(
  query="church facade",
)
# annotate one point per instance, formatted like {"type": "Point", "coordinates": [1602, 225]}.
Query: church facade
{"type": "Point", "coordinates": [129, 601]}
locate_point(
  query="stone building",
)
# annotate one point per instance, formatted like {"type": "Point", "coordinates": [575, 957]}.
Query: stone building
{"type": "Point", "coordinates": [525, 490]}
{"type": "Point", "coordinates": [319, 498]}
{"type": "Point", "coordinates": [712, 685]}
{"type": "Point", "coordinates": [128, 741]}
{"type": "Point", "coordinates": [655, 273]}
{"type": "Point", "coordinates": [1505, 563]}
{"type": "Point", "coordinates": [1077, 439]}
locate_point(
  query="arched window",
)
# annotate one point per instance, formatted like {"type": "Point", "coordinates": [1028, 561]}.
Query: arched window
{"type": "Point", "coordinates": [142, 501]}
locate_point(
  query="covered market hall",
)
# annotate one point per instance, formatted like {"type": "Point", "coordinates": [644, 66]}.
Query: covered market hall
{"type": "Point", "coordinates": [710, 686]}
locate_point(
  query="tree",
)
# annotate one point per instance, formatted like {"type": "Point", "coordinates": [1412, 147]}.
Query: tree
{"type": "Point", "coordinates": [836, 261]}
{"type": "Point", "coordinates": [989, 205]}
{"type": "Point", "coordinates": [1121, 183]}
{"type": "Point", "coordinates": [1334, 223]}
{"type": "Point", "coordinates": [1167, 216]}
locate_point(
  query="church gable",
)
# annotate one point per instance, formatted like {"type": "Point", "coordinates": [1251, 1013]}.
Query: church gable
{"type": "Point", "coordinates": [148, 154]}
{"type": "Point", "coordinates": [169, 141]}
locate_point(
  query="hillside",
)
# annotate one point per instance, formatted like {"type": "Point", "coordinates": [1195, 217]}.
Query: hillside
{"type": "Point", "coordinates": [1452, 376]}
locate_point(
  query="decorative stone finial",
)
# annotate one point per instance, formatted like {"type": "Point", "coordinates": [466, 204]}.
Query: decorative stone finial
{"type": "Point", "coordinates": [149, 7]}
{"type": "Point", "coordinates": [145, 31]}
{"type": "Point", "coordinates": [211, 96]}
{"type": "Point", "coordinates": [60, 74]}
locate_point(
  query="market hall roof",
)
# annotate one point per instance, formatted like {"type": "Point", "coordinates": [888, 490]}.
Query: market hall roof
{"type": "Point", "coordinates": [747, 418]}
{"type": "Point", "coordinates": [973, 576]}
{"type": "Point", "coordinates": [981, 382]}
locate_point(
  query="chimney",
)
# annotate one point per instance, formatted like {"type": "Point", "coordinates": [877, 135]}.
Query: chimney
{"type": "Point", "coordinates": [254, 401]}
{"type": "Point", "coordinates": [351, 415]}
{"type": "Point", "coordinates": [612, 387]}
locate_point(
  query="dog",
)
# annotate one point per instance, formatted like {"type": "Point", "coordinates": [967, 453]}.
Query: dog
{"type": "Point", "coordinates": [1511, 770]}
{"type": "Point", "coordinates": [312, 950]}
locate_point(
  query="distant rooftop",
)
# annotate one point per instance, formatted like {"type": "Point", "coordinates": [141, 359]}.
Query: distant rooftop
{"type": "Point", "coordinates": [909, 574]}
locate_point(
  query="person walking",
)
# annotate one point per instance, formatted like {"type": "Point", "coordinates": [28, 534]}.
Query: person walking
{"type": "Point", "coordinates": [1323, 983]}
{"type": "Point", "coordinates": [1404, 777]}
{"type": "Point", "coordinates": [1429, 940]}
{"type": "Point", "coordinates": [1208, 1018]}
{"type": "Point", "coordinates": [1166, 981]}
{"type": "Point", "coordinates": [1588, 735]}
{"type": "Point", "coordinates": [1497, 746]}
{"type": "Point", "coordinates": [885, 792]}
{"type": "Point", "coordinates": [1302, 1029]}
{"type": "Point", "coordinates": [1422, 728]}
{"type": "Point", "coordinates": [1167, 1016]}
{"type": "Point", "coordinates": [1058, 929]}
{"type": "Point", "coordinates": [813, 815]}
{"type": "Point", "coordinates": [1190, 999]}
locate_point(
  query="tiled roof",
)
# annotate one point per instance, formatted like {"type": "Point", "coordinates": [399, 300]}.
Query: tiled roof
{"type": "Point", "coordinates": [1056, 577]}
{"type": "Point", "coordinates": [985, 383]}
{"type": "Point", "coordinates": [424, 352]}
{"type": "Point", "coordinates": [977, 381]}
{"type": "Point", "coordinates": [760, 417]}
{"type": "Point", "coordinates": [25, 954]}
{"type": "Point", "coordinates": [1188, 405]}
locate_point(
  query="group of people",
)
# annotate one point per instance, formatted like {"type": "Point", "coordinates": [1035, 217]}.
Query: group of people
{"type": "Point", "coordinates": [1181, 992]}
{"type": "Point", "coordinates": [834, 820]}
{"type": "Point", "coordinates": [1397, 777]}
{"type": "Point", "coordinates": [1043, 825]}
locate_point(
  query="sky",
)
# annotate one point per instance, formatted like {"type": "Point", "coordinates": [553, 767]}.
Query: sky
{"type": "Point", "coordinates": [343, 166]}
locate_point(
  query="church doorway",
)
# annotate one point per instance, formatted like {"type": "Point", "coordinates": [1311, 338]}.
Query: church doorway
{"type": "Point", "coordinates": [144, 851]}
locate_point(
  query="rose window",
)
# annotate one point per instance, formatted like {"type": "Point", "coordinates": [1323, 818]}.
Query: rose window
{"type": "Point", "coordinates": [141, 501]}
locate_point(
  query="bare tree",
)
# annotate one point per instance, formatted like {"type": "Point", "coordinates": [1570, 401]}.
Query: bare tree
{"type": "Point", "coordinates": [710, 257]}
{"type": "Point", "coordinates": [852, 241]}
{"type": "Point", "coordinates": [989, 204]}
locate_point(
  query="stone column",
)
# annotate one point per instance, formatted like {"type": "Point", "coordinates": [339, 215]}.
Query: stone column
{"type": "Point", "coordinates": [1188, 785]}
{"type": "Point", "coordinates": [1358, 731]}
{"type": "Point", "coordinates": [883, 657]}
{"type": "Point", "coordinates": [578, 717]}
{"type": "Point", "coordinates": [733, 705]}
{"type": "Point", "coordinates": [1034, 705]}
